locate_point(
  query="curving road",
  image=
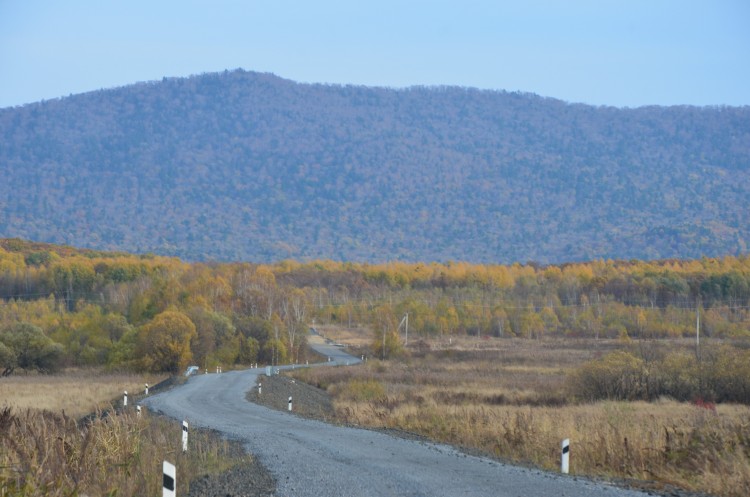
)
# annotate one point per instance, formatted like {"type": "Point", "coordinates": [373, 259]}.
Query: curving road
{"type": "Point", "coordinates": [313, 459]}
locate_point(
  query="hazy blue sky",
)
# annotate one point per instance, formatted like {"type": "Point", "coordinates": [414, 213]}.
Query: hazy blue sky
{"type": "Point", "coordinates": [610, 52]}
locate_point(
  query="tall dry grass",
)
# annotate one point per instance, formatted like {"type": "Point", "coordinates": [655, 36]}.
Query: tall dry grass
{"type": "Point", "coordinates": [511, 401]}
{"type": "Point", "coordinates": [46, 449]}
{"type": "Point", "coordinates": [51, 454]}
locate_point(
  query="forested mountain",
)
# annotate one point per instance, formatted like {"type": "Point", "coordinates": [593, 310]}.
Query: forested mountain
{"type": "Point", "coordinates": [248, 166]}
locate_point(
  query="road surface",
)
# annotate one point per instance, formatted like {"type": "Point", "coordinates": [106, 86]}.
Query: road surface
{"type": "Point", "coordinates": [313, 459]}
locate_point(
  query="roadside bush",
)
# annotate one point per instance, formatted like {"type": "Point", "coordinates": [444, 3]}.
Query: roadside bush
{"type": "Point", "coordinates": [679, 377]}
{"type": "Point", "coordinates": [721, 375]}
{"type": "Point", "coordinates": [727, 375]}
{"type": "Point", "coordinates": [617, 376]}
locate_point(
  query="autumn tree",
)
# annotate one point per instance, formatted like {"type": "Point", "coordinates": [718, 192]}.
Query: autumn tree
{"type": "Point", "coordinates": [25, 346]}
{"type": "Point", "coordinates": [294, 307]}
{"type": "Point", "coordinates": [164, 342]}
{"type": "Point", "coordinates": [386, 342]}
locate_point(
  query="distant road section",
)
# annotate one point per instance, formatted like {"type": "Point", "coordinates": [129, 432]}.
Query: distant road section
{"type": "Point", "coordinates": [313, 459]}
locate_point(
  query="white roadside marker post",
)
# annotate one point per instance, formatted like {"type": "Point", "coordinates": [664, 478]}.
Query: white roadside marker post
{"type": "Point", "coordinates": [146, 392]}
{"type": "Point", "coordinates": [565, 462]}
{"type": "Point", "coordinates": [125, 399]}
{"type": "Point", "coordinates": [184, 436]}
{"type": "Point", "coordinates": [169, 485]}
{"type": "Point", "coordinates": [138, 410]}
{"type": "Point", "coordinates": [260, 388]}
{"type": "Point", "coordinates": [290, 404]}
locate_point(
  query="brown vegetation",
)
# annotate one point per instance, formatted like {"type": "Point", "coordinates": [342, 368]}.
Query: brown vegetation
{"type": "Point", "coordinates": [76, 393]}
{"type": "Point", "coordinates": [51, 454]}
{"type": "Point", "coordinates": [47, 448]}
{"type": "Point", "coordinates": [515, 399]}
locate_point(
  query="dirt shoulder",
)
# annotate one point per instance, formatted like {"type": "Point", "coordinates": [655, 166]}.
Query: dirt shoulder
{"type": "Point", "coordinates": [244, 480]}
{"type": "Point", "coordinates": [307, 401]}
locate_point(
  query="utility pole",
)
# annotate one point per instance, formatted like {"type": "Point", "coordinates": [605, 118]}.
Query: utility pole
{"type": "Point", "coordinates": [405, 322]}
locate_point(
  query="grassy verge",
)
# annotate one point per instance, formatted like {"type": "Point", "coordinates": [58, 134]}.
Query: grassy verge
{"type": "Point", "coordinates": [512, 401]}
{"type": "Point", "coordinates": [50, 451]}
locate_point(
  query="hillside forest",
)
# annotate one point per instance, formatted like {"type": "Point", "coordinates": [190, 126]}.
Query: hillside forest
{"type": "Point", "coordinates": [243, 166]}
{"type": "Point", "coordinates": [68, 307]}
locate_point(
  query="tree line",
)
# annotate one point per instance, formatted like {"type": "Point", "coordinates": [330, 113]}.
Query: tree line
{"type": "Point", "coordinates": [61, 306]}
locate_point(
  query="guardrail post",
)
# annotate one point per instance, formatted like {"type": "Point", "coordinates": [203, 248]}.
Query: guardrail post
{"type": "Point", "coordinates": [169, 480]}
{"type": "Point", "coordinates": [184, 436]}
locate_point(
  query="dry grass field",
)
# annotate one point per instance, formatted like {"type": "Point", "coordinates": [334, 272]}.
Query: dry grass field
{"type": "Point", "coordinates": [76, 392]}
{"type": "Point", "coordinates": [511, 398]}
{"type": "Point", "coordinates": [46, 449]}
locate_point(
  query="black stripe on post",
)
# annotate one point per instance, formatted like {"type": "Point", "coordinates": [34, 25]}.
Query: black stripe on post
{"type": "Point", "coordinates": [566, 449]}
{"type": "Point", "coordinates": [168, 483]}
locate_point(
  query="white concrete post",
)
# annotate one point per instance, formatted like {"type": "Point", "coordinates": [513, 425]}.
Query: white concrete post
{"type": "Point", "coordinates": [565, 462]}
{"type": "Point", "coordinates": [290, 404]}
{"type": "Point", "coordinates": [184, 436]}
{"type": "Point", "coordinates": [169, 485]}
{"type": "Point", "coordinates": [146, 389]}
{"type": "Point", "coordinates": [260, 388]}
{"type": "Point", "coordinates": [125, 399]}
{"type": "Point", "coordinates": [138, 410]}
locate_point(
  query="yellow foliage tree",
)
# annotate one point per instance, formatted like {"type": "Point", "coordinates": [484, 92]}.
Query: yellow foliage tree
{"type": "Point", "coordinates": [164, 342]}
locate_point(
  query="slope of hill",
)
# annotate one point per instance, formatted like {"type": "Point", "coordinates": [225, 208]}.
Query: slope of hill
{"type": "Point", "coordinates": [241, 165]}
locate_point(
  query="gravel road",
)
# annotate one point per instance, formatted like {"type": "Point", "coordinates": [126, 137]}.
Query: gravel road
{"type": "Point", "coordinates": [309, 458]}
